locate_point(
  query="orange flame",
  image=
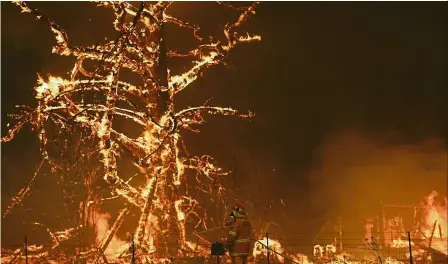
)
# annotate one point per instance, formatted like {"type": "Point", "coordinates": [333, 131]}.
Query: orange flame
{"type": "Point", "coordinates": [159, 152]}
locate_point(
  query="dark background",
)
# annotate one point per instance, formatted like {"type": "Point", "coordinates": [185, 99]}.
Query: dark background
{"type": "Point", "coordinates": [350, 101]}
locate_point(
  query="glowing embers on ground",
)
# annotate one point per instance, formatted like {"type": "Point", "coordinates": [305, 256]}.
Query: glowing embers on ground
{"type": "Point", "coordinates": [321, 254]}
{"type": "Point", "coordinates": [162, 199]}
{"type": "Point", "coordinates": [399, 243]}
{"type": "Point", "coordinates": [278, 254]}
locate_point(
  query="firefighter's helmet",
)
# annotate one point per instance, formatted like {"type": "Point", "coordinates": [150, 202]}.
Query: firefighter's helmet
{"type": "Point", "coordinates": [237, 211]}
{"type": "Point", "coordinates": [239, 207]}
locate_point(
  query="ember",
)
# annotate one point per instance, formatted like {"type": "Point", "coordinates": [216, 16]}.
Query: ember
{"type": "Point", "coordinates": [161, 197]}
{"type": "Point", "coordinates": [112, 131]}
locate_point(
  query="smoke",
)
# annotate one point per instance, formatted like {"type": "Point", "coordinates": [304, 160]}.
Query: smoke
{"type": "Point", "coordinates": [354, 171]}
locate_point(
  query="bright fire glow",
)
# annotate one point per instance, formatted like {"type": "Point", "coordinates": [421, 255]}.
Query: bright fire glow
{"type": "Point", "coordinates": [159, 195]}
{"type": "Point", "coordinates": [273, 244]}
{"type": "Point", "coordinates": [434, 212]}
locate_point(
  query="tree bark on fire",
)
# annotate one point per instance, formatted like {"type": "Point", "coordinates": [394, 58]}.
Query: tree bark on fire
{"type": "Point", "coordinates": [164, 201]}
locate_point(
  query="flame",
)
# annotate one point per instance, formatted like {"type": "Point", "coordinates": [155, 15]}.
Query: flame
{"type": "Point", "coordinates": [51, 88]}
{"type": "Point", "coordinates": [434, 213]}
{"type": "Point", "coordinates": [162, 199]}
{"type": "Point", "coordinates": [273, 244]}
{"type": "Point", "coordinates": [399, 243]}
{"type": "Point", "coordinates": [102, 228]}
{"type": "Point", "coordinates": [390, 260]}
{"type": "Point", "coordinates": [434, 222]}
{"type": "Point", "coordinates": [431, 225]}
{"type": "Point", "coordinates": [327, 254]}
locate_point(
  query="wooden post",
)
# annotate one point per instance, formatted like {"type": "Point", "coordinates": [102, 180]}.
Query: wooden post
{"type": "Point", "coordinates": [267, 246]}
{"type": "Point", "coordinates": [410, 247]}
{"type": "Point", "coordinates": [26, 250]}
{"type": "Point", "coordinates": [430, 241]}
{"type": "Point", "coordinates": [432, 234]}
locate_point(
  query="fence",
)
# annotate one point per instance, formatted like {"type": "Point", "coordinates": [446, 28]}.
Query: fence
{"type": "Point", "coordinates": [300, 247]}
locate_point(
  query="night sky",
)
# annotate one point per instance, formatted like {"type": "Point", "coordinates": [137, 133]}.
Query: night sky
{"type": "Point", "coordinates": [350, 101]}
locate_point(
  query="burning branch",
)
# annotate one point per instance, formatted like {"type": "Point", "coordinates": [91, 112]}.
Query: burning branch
{"type": "Point", "coordinates": [163, 201]}
{"type": "Point", "coordinates": [18, 198]}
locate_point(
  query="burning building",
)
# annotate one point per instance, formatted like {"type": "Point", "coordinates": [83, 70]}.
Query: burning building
{"type": "Point", "coordinates": [426, 224]}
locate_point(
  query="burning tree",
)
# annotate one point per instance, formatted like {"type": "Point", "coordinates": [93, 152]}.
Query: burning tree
{"type": "Point", "coordinates": [84, 107]}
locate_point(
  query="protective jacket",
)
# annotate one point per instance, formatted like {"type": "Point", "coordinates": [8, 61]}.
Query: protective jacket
{"type": "Point", "coordinates": [238, 240]}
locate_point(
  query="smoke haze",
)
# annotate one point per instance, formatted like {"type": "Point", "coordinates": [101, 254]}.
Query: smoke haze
{"type": "Point", "coordinates": [355, 170]}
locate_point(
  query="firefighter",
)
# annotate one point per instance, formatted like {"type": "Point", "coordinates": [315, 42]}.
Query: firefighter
{"type": "Point", "coordinates": [238, 241]}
